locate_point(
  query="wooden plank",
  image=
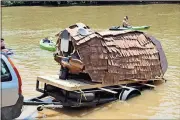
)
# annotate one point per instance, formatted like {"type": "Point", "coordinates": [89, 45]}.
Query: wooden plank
{"type": "Point", "coordinates": [147, 80]}
{"type": "Point", "coordinates": [71, 85]}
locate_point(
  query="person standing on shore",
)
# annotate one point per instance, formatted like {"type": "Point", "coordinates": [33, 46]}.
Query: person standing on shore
{"type": "Point", "coordinates": [2, 44]}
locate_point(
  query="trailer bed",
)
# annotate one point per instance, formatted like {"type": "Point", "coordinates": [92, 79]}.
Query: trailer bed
{"type": "Point", "coordinates": [72, 85]}
{"type": "Point", "coordinates": [78, 93]}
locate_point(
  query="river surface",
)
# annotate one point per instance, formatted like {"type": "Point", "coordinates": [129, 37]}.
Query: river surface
{"type": "Point", "coordinates": [23, 27]}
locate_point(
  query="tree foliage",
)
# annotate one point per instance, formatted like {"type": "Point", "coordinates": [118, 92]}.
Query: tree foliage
{"type": "Point", "coordinates": [66, 3]}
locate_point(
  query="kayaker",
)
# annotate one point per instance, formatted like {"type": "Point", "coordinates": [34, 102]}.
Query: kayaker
{"type": "Point", "coordinates": [46, 40]}
{"type": "Point", "coordinates": [2, 44]}
{"type": "Point", "coordinates": [125, 22]}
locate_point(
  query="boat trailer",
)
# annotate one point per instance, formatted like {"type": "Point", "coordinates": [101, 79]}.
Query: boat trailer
{"type": "Point", "coordinates": [72, 93]}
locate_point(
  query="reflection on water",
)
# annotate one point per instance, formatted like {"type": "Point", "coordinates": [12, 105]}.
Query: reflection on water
{"type": "Point", "coordinates": [24, 27]}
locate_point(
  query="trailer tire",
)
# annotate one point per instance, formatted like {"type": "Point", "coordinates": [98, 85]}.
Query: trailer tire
{"type": "Point", "coordinates": [133, 94]}
{"type": "Point", "coordinates": [128, 93]}
{"type": "Point", "coordinates": [40, 108]}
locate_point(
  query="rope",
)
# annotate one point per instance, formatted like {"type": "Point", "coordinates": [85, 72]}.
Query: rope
{"type": "Point", "coordinates": [82, 94]}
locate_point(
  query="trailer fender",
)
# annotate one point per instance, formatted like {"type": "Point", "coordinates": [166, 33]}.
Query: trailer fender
{"type": "Point", "coordinates": [128, 92]}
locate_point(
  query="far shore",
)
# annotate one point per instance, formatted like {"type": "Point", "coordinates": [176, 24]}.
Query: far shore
{"type": "Point", "coordinates": [99, 4]}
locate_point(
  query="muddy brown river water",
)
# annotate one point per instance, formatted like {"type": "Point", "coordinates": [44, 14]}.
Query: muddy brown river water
{"type": "Point", "coordinates": [23, 27]}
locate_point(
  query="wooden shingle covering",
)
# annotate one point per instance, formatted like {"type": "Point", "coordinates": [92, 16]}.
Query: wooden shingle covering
{"type": "Point", "coordinates": [113, 56]}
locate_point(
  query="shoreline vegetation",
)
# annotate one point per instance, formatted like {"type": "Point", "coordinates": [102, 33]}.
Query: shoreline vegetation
{"type": "Point", "coordinates": [80, 3]}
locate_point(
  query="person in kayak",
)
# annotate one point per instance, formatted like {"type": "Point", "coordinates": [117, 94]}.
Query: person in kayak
{"type": "Point", "coordinates": [46, 40]}
{"type": "Point", "coordinates": [125, 22]}
{"type": "Point", "coordinates": [2, 44]}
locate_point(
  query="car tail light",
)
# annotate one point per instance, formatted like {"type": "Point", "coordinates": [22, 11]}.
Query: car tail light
{"type": "Point", "coordinates": [18, 76]}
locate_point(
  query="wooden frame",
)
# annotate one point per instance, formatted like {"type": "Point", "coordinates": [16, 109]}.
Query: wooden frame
{"type": "Point", "coordinates": [72, 85]}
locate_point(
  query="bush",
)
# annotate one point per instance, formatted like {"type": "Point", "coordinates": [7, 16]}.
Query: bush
{"type": "Point", "coordinates": [12, 3]}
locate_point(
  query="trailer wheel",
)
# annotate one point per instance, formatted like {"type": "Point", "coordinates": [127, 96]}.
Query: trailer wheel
{"type": "Point", "coordinates": [40, 108]}
{"type": "Point", "coordinates": [128, 93]}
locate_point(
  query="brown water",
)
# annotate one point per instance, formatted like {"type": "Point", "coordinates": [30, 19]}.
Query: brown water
{"type": "Point", "coordinates": [23, 27]}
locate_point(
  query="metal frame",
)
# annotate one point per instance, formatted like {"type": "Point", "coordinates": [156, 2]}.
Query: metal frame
{"type": "Point", "coordinates": [63, 100]}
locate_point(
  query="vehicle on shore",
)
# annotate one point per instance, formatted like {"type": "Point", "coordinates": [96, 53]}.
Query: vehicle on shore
{"type": "Point", "coordinates": [11, 89]}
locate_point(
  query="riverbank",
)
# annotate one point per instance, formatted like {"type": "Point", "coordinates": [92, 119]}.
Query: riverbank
{"type": "Point", "coordinates": [81, 3]}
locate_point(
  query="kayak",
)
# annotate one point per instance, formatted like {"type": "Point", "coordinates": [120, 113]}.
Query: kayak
{"type": "Point", "coordinates": [47, 45]}
{"type": "Point", "coordinates": [7, 51]}
{"type": "Point", "coordinates": [129, 28]}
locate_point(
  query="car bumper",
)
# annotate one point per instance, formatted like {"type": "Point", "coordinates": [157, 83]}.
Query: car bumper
{"type": "Point", "coordinates": [11, 112]}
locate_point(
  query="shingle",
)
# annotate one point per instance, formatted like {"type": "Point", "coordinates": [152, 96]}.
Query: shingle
{"type": "Point", "coordinates": [76, 37]}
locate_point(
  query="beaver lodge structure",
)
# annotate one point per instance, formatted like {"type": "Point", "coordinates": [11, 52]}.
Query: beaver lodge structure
{"type": "Point", "coordinates": [99, 67]}
{"type": "Point", "coordinates": [112, 56]}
